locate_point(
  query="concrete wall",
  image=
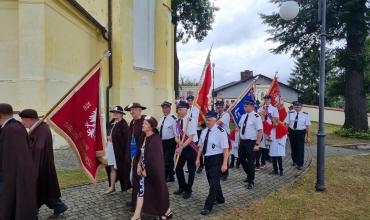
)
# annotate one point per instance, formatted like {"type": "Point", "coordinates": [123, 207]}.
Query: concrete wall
{"type": "Point", "coordinates": [331, 115]}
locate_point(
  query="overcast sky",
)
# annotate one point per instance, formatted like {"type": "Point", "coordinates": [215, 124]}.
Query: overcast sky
{"type": "Point", "coordinates": [238, 38]}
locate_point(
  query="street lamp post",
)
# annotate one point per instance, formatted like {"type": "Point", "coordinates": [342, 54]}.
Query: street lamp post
{"type": "Point", "coordinates": [288, 11]}
{"type": "Point", "coordinates": [213, 84]}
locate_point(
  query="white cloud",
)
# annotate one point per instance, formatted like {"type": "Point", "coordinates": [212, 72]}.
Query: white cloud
{"type": "Point", "coordinates": [239, 43]}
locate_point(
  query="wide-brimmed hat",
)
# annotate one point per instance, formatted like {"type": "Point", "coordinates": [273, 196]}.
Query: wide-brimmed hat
{"type": "Point", "coordinates": [117, 109]}
{"type": "Point", "coordinates": [6, 109]}
{"type": "Point", "coordinates": [134, 105]}
{"type": "Point", "coordinates": [153, 122]}
{"type": "Point", "coordinates": [29, 113]}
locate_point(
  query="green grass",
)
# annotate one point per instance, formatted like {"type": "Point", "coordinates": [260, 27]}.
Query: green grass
{"type": "Point", "coordinates": [347, 195]}
{"type": "Point", "coordinates": [72, 177]}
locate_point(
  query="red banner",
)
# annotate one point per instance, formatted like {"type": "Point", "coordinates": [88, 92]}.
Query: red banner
{"type": "Point", "coordinates": [202, 99]}
{"type": "Point", "coordinates": [277, 99]}
{"type": "Point", "coordinates": [80, 120]}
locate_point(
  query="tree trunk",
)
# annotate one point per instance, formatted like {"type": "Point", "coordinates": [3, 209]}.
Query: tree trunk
{"type": "Point", "coordinates": [176, 65]}
{"type": "Point", "coordinates": [355, 96]}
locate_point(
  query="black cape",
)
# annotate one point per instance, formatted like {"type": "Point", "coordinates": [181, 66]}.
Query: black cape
{"type": "Point", "coordinates": [17, 174]}
{"type": "Point", "coordinates": [41, 147]}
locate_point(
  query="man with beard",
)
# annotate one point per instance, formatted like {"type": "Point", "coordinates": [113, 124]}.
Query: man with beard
{"type": "Point", "coordinates": [41, 147]}
{"type": "Point", "coordinates": [17, 173]}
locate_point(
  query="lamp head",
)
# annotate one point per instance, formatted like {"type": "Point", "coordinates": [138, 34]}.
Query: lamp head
{"type": "Point", "coordinates": [289, 10]}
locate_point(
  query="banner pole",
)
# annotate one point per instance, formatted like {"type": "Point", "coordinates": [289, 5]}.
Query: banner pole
{"type": "Point", "coordinates": [106, 53]}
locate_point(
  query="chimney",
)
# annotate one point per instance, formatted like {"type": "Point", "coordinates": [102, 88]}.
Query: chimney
{"type": "Point", "coordinates": [246, 74]}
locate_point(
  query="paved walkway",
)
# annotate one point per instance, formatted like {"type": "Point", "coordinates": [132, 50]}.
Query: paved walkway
{"type": "Point", "coordinates": [86, 202]}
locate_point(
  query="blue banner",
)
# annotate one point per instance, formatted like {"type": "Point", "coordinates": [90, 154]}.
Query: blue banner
{"type": "Point", "coordinates": [237, 108]}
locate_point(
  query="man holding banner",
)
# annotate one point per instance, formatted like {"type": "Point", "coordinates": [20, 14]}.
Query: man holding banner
{"type": "Point", "coordinates": [187, 149]}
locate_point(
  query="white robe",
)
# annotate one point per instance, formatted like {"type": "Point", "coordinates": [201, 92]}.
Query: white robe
{"type": "Point", "coordinates": [277, 146]}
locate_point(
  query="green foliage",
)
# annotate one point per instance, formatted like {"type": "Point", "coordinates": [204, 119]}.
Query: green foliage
{"type": "Point", "coordinates": [352, 133]}
{"type": "Point", "coordinates": [187, 81]}
{"type": "Point", "coordinates": [195, 16]}
{"type": "Point", "coordinates": [347, 26]}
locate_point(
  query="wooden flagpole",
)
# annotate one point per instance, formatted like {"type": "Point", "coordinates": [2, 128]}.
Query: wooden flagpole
{"type": "Point", "coordinates": [106, 54]}
{"type": "Point", "coordinates": [194, 102]}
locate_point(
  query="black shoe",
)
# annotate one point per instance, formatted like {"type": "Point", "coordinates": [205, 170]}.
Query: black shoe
{"type": "Point", "coordinates": [231, 166]}
{"type": "Point", "coordinates": [299, 167]}
{"type": "Point", "coordinates": [281, 173]}
{"type": "Point", "coordinates": [200, 169]}
{"type": "Point", "coordinates": [169, 180]}
{"type": "Point", "coordinates": [129, 204]}
{"type": "Point", "coordinates": [186, 195]}
{"type": "Point", "coordinates": [224, 177]}
{"type": "Point", "coordinates": [294, 164]}
{"type": "Point", "coordinates": [250, 186]}
{"type": "Point", "coordinates": [178, 192]}
{"type": "Point", "coordinates": [237, 166]}
{"type": "Point", "coordinates": [217, 202]}
{"type": "Point", "coordinates": [274, 172]}
{"type": "Point", "coordinates": [205, 212]}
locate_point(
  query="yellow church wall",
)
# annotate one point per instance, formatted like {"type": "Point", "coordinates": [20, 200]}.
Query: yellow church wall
{"type": "Point", "coordinates": [98, 9]}
{"type": "Point", "coordinates": [9, 57]}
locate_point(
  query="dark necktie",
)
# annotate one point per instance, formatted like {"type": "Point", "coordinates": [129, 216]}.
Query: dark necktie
{"type": "Point", "coordinates": [244, 124]}
{"type": "Point", "coordinates": [205, 142]}
{"type": "Point", "coordinates": [162, 126]}
{"type": "Point", "coordinates": [295, 121]}
{"type": "Point", "coordinates": [266, 112]}
{"type": "Point", "coordinates": [181, 124]}
{"type": "Point", "coordinates": [218, 116]}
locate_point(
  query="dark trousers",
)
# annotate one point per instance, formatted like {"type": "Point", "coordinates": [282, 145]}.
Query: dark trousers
{"type": "Point", "coordinates": [275, 161]}
{"type": "Point", "coordinates": [58, 206]}
{"type": "Point", "coordinates": [233, 160]}
{"type": "Point", "coordinates": [213, 166]}
{"type": "Point", "coordinates": [262, 154]}
{"type": "Point", "coordinates": [297, 138]}
{"type": "Point", "coordinates": [187, 156]}
{"type": "Point", "coordinates": [247, 157]}
{"type": "Point", "coordinates": [169, 148]}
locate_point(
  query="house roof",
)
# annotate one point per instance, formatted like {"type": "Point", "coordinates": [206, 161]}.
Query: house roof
{"type": "Point", "coordinates": [228, 85]}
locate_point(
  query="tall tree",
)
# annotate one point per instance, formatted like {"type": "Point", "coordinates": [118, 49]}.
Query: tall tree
{"type": "Point", "coordinates": [347, 22]}
{"type": "Point", "coordinates": [191, 18]}
{"type": "Point", "coordinates": [305, 76]}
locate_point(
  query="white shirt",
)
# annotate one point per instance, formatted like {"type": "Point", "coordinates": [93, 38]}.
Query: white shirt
{"type": "Point", "coordinates": [217, 140]}
{"type": "Point", "coordinates": [194, 114]}
{"type": "Point", "coordinates": [303, 120]}
{"type": "Point", "coordinates": [33, 126]}
{"type": "Point", "coordinates": [191, 128]}
{"type": "Point", "coordinates": [254, 124]}
{"type": "Point", "coordinates": [169, 126]}
{"type": "Point", "coordinates": [225, 118]}
{"type": "Point", "coordinates": [272, 110]}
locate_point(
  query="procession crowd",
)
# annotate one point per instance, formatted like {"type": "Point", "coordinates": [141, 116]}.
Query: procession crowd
{"type": "Point", "coordinates": [145, 154]}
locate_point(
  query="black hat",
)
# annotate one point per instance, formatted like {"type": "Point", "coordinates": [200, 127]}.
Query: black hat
{"type": "Point", "coordinates": [258, 102]}
{"type": "Point", "coordinates": [248, 102]}
{"type": "Point", "coordinates": [267, 97]}
{"type": "Point", "coordinates": [290, 107]}
{"type": "Point", "coordinates": [117, 109]}
{"type": "Point", "coordinates": [211, 114]}
{"type": "Point", "coordinates": [29, 113]}
{"type": "Point", "coordinates": [6, 109]}
{"type": "Point", "coordinates": [183, 105]}
{"type": "Point", "coordinates": [296, 103]}
{"type": "Point", "coordinates": [190, 97]}
{"type": "Point", "coordinates": [134, 105]}
{"type": "Point", "coordinates": [219, 104]}
{"type": "Point", "coordinates": [166, 104]}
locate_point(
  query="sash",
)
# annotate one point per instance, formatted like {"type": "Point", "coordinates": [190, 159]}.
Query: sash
{"type": "Point", "coordinates": [181, 132]}
{"type": "Point", "coordinates": [267, 113]}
